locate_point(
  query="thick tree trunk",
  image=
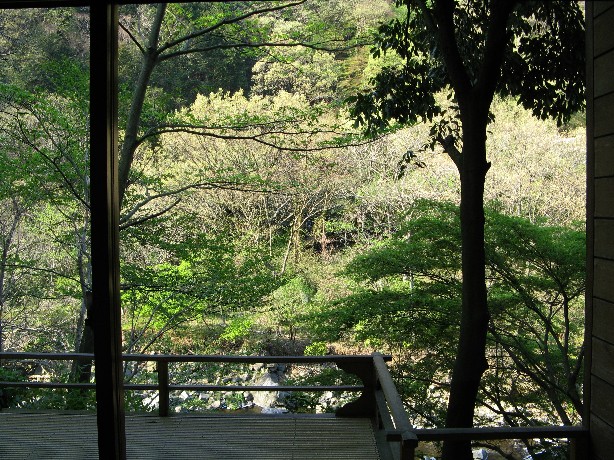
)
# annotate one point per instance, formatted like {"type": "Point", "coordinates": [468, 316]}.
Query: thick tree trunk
{"type": "Point", "coordinates": [470, 361]}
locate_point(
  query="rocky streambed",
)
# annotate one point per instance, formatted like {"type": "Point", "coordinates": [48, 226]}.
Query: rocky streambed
{"type": "Point", "coordinates": [269, 375]}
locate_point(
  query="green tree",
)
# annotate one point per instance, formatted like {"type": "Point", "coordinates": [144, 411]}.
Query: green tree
{"type": "Point", "coordinates": [201, 276]}
{"type": "Point", "coordinates": [289, 301]}
{"type": "Point", "coordinates": [408, 300]}
{"type": "Point", "coordinates": [170, 34]}
{"type": "Point", "coordinates": [47, 135]}
{"type": "Point", "coordinates": [49, 124]}
{"type": "Point", "coordinates": [472, 50]}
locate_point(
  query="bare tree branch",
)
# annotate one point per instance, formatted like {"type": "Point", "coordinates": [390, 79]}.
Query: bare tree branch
{"type": "Point", "coordinates": [132, 37]}
{"type": "Point", "coordinates": [203, 131]}
{"type": "Point", "coordinates": [224, 22]}
{"type": "Point", "coordinates": [314, 46]}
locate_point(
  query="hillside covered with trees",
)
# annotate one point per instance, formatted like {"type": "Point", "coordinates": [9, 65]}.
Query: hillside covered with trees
{"type": "Point", "coordinates": [257, 216]}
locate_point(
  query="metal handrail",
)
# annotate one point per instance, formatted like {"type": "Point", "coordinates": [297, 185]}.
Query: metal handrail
{"type": "Point", "coordinates": [195, 358]}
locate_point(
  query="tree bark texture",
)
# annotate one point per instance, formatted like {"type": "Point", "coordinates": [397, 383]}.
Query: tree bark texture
{"type": "Point", "coordinates": [470, 362]}
{"type": "Point", "coordinates": [474, 100]}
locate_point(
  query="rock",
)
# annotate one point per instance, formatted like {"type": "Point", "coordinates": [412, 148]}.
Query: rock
{"type": "Point", "coordinates": [267, 398]}
{"type": "Point", "coordinates": [204, 396]}
{"type": "Point", "coordinates": [480, 454]}
{"type": "Point", "coordinates": [273, 410]}
{"type": "Point", "coordinates": [184, 395]}
{"type": "Point", "coordinates": [268, 380]}
{"type": "Point", "coordinates": [248, 396]}
{"type": "Point", "coordinates": [281, 368]}
{"type": "Point", "coordinates": [215, 405]}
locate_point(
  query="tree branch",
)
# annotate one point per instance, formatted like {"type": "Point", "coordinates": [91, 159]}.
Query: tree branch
{"type": "Point", "coordinates": [132, 37]}
{"type": "Point", "coordinates": [203, 131]}
{"type": "Point", "coordinates": [314, 46]}
{"type": "Point", "coordinates": [144, 219]}
{"type": "Point", "coordinates": [449, 147]}
{"type": "Point", "coordinates": [224, 22]}
{"type": "Point", "coordinates": [444, 17]}
{"type": "Point", "coordinates": [496, 40]}
{"type": "Point", "coordinates": [125, 221]}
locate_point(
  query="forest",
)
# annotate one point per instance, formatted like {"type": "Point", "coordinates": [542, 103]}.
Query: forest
{"type": "Point", "coordinates": [259, 216]}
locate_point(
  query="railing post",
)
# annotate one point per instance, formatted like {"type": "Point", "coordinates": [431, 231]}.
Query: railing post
{"type": "Point", "coordinates": [409, 442]}
{"type": "Point", "coordinates": [579, 448]}
{"type": "Point", "coordinates": [163, 396]}
{"type": "Point", "coordinates": [365, 405]}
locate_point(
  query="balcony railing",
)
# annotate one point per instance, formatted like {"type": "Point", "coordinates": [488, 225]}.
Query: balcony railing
{"type": "Point", "coordinates": [378, 400]}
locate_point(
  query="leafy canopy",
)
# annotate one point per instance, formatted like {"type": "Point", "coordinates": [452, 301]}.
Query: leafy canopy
{"type": "Point", "coordinates": [543, 65]}
{"type": "Point", "coordinates": [407, 299]}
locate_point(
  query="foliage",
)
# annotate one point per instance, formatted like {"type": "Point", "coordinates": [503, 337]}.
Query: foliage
{"type": "Point", "coordinates": [243, 232]}
{"type": "Point", "coordinates": [9, 395]}
{"type": "Point", "coordinates": [535, 67]}
{"type": "Point", "coordinates": [474, 50]}
{"type": "Point", "coordinates": [311, 402]}
{"type": "Point", "coordinates": [202, 275]}
{"type": "Point", "coordinates": [316, 349]}
{"type": "Point", "coordinates": [288, 303]}
{"type": "Point", "coordinates": [408, 299]}
{"type": "Point", "coordinates": [238, 329]}
{"type": "Point", "coordinates": [312, 73]}
{"type": "Point", "coordinates": [46, 155]}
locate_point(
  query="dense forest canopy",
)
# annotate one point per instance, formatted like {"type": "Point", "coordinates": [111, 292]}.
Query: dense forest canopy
{"type": "Point", "coordinates": [257, 218]}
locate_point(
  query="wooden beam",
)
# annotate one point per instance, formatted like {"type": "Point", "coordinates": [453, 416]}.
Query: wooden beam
{"type": "Point", "coordinates": [492, 433]}
{"type": "Point", "coordinates": [105, 231]}
{"type": "Point", "coordinates": [590, 216]}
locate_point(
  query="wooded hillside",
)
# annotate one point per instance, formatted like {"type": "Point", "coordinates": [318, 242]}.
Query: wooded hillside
{"type": "Point", "coordinates": [258, 217]}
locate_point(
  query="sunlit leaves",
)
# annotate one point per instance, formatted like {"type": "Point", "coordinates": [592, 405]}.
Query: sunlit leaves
{"type": "Point", "coordinates": [409, 286]}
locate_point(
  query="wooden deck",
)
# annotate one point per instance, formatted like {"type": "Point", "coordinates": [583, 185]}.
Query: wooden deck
{"type": "Point", "coordinates": [57, 435]}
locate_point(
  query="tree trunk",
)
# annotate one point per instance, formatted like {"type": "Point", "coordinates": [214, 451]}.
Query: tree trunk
{"type": "Point", "coordinates": [470, 361]}
{"type": "Point", "coordinates": [148, 64]}
{"type": "Point", "coordinates": [82, 368]}
{"type": "Point", "coordinates": [1, 335]}
{"type": "Point", "coordinates": [6, 245]}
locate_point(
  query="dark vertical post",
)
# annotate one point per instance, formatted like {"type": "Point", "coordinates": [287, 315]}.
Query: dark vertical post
{"type": "Point", "coordinates": [408, 446]}
{"type": "Point", "coordinates": [105, 230]}
{"type": "Point", "coordinates": [163, 397]}
{"type": "Point", "coordinates": [579, 448]}
{"type": "Point", "coordinates": [590, 225]}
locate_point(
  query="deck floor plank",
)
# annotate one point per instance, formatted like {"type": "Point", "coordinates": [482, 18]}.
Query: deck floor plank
{"type": "Point", "coordinates": [59, 436]}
